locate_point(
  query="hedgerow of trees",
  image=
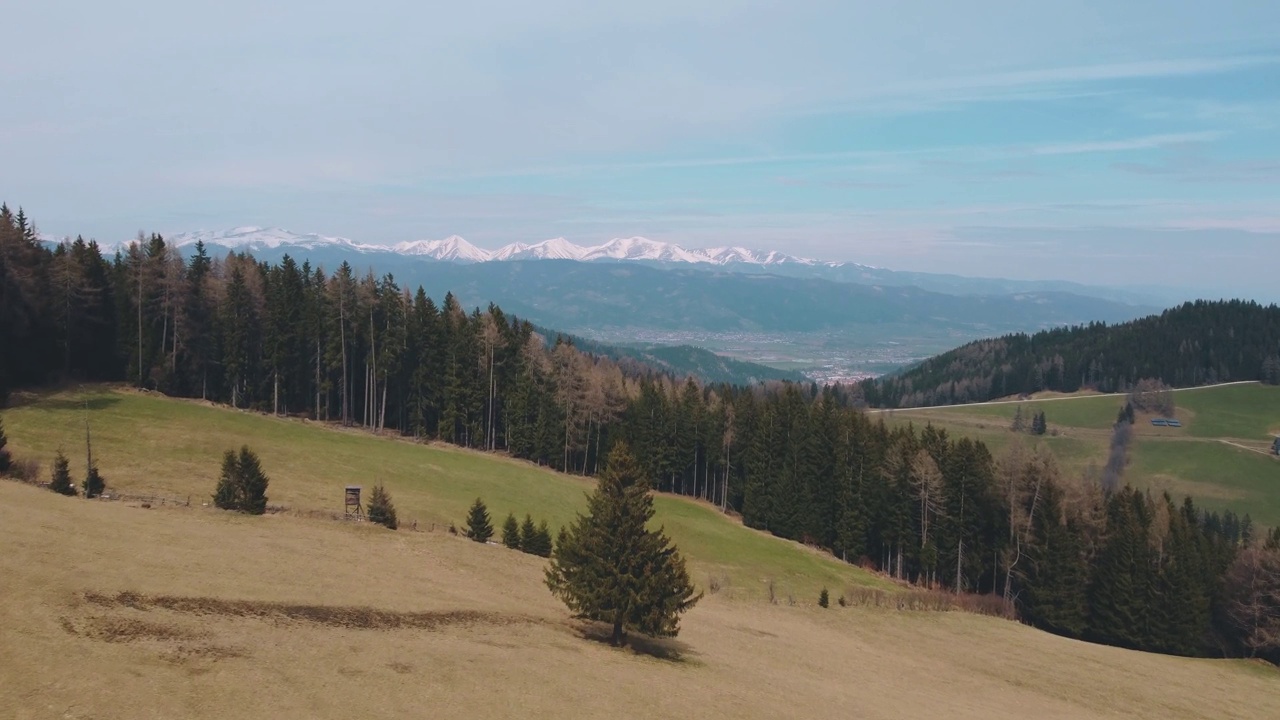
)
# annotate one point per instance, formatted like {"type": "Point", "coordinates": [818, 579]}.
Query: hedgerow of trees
{"type": "Point", "coordinates": [796, 460]}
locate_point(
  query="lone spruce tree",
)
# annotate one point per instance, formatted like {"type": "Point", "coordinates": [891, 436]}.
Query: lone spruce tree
{"type": "Point", "coordinates": [242, 486]}
{"type": "Point", "coordinates": [61, 482]}
{"type": "Point", "coordinates": [226, 496]}
{"type": "Point", "coordinates": [381, 510]}
{"type": "Point", "coordinates": [511, 532]}
{"type": "Point", "coordinates": [478, 526]}
{"type": "Point", "coordinates": [609, 567]}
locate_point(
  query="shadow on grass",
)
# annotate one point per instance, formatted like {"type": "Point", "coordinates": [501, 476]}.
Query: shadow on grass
{"type": "Point", "coordinates": [48, 401]}
{"type": "Point", "coordinates": [668, 649]}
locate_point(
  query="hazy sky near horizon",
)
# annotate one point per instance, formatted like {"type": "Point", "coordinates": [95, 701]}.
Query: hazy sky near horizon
{"type": "Point", "coordinates": [1117, 143]}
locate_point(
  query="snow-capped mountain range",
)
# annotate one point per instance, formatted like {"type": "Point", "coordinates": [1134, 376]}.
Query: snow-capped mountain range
{"type": "Point", "coordinates": [457, 249]}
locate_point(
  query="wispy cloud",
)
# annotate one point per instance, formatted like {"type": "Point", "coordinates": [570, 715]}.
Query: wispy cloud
{"type": "Point", "coordinates": [1043, 84]}
{"type": "Point", "coordinates": [1146, 142]}
{"type": "Point", "coordinates": [971, 153]}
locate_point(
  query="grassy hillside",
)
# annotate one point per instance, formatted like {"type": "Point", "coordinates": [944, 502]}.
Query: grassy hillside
{"type": "Point", "coordinates": [147, 443]}
{"type": "Point", "coordinates": [113, 611]}
{"type": "Point", "coordinates": [1219, 456]}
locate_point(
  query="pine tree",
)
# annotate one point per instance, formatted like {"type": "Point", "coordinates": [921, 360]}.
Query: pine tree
{"type": "Point", "coordinates": [1056, 580]}
{"type": "Point", "coordinates": [541, 541]}
{"type": "Point", "coordinates": [478, 526]}
{"type": "Point", "coordinates": [61, 481]}
{"type": "Point", "coordinates": [611, 568]}
{"type": "Point", "coordinates": [253, 482]}
{"type": "Point", "coordinates": [1119, 595]}
{"type": "Point", "coordinates": [1019, 423]}
{"type": "Point", "coordinates": [242, 486]}
{"type": "Point", "coordinates": [1039, 425]}
{"type": "Point", "coordinates": [511, 532]}
{"type": "Point", "coordinates": [823, 598]}
{"type": "Point", "coordinates": [94, 483]}
{"type": "Point", "coordinates": [6, 460]}
{"type": "Point", "coordinates": [527, 531]}
{"type": "Point", "coordinates": [227, 494]}
{"type": "Point", "coordinates": [381, 510]}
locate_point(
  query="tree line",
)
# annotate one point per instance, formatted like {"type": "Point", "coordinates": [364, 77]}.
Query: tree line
{"type": "Point", "coordinates": [1196, 343]}
{"type": "Point", "coordinates": [797, 460]}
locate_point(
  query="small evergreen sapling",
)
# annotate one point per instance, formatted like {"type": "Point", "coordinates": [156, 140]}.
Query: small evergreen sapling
{"type": "Point", "coordinates": [823, 598]}
{"type": "Point", "coordinates": [381, 510]}
{"type": "Point", "coordinates": [61, 482]}
{"type": "Point", "coordinates": [541, 541]}
{"type": "Point", "coordinates": [1039, 424]}
{"type": "Point", "coordinates": [527, 531]}
{"type": "Point", "coordinates": [478, 526]}
{"type": "Point", "coordinates": [511, 532]}
{"type": "Point", "coordinates": [94, 483]}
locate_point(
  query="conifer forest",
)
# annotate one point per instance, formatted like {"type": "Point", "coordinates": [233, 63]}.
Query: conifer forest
{"type": "Point", "coordinates": [1117, 566]}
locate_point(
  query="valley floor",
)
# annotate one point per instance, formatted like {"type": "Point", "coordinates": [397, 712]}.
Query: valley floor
{"type": "Point", "coordinates": [111, 610]}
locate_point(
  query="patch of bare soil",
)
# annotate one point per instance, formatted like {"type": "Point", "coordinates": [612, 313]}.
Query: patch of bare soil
{"type": "Point", "coordinates": [361, 618]}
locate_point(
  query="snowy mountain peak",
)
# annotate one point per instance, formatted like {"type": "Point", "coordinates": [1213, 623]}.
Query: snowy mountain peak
{"type": "Point", "coordinates": [553, 249]}
{"type": "Point", "coordinates": [452, 248]}
{"type": "Point", "coordinates": [251, 238]}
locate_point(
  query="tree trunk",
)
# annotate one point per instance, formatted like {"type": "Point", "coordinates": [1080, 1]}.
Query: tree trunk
{"type": "Point", "coordinates": [342, 329]}
{"type": "Point", "coordinates": [960, 544]}
{"type": "Point", "coordinates": [382, 417]}
{"type": "Point", "coordinates": [317, 377]}
{"type": "Point", "coordinates": [139, 323]}
{"type": "Point", "coordinates": [617, 638]}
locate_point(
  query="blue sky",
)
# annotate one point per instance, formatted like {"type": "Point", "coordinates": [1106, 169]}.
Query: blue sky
{"type": "Point", "coordinates": [1118, 143]}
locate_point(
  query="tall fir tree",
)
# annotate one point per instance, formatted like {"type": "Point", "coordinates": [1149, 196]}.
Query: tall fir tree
{"type": "Point", "coordinates": [1056, 582]}
{"type": "Point", "coordinates": [611, 568]}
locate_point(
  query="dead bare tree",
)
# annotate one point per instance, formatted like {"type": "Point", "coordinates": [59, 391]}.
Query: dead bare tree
{"type": "Point", "coordinates": [1252, 589]}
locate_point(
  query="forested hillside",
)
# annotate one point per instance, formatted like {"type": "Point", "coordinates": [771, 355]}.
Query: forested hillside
{"type": "Point", "coordinates": [686, 360]}
{"type": "Point", "coordinates": [1118, 567]}
{"type": "Point", "coordinates": [1194, 344]}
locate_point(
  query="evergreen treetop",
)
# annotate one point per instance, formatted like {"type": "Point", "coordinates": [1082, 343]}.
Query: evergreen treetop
{"type": "Point", "coordinates": [511, 532]}
{"type": "Point", "coordinates": [381, 510]}
{"type": "Point", "coordinates": [61, 482]}
{"type": "Point", "coordinates": [478, 526]}
{"type": "Point", "coordinates": [527, 531]}
{"type": "Point", "coordinates": [611, 568]}
{"type": "Point", "coordinates": [242, 486]}
{"type": "Point", "coordinates": [94, 483]}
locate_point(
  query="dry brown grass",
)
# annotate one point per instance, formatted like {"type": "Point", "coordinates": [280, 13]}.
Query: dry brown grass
{"type": "Point", "coordinates": [112, 611]}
